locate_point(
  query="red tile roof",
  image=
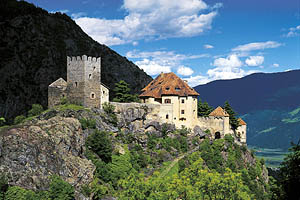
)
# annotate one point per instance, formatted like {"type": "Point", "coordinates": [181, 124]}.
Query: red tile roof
{"type": "Point", "coordinates": [167, 84]}
{"type": "Point", "coordinates": [219, 112]}
{"type": "Point", "coordinates": [241, 121]}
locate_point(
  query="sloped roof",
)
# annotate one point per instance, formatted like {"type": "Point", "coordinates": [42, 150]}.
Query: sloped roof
{"type": "Point", "coordinates": [241, 121]}
{"type": "Point", "coordinates": [59, 83]}
{"type": "Point", "coordinates": [167, 84]}
{"type": "Point", "coordinates": [219, 112]}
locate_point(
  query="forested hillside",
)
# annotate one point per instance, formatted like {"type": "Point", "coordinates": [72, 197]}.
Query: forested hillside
{"type": "Point", "coordinates": [34, 46]}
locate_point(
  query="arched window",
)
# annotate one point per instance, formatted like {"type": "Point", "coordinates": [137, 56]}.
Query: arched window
{"type": "Point", "coordinates": [167, 100]}
{"type": "Point", "coordinates": [92, 96]}
{"type": "Point", "coordinates": [217, 135]}
{"type": "Point", "coordinates": [76, 84]}
{"type": "Point", "coordinates": [90, 76]}
{"type": "Point", "coordinates": [182, 100]}
{"type": "Point", "coordinates": [167, 116]}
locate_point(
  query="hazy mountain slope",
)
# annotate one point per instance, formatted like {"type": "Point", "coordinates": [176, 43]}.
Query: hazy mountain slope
{"type": "Point", "coordinates": [268, 102]}
{"type": "Point", "coordinates": [33, 49]}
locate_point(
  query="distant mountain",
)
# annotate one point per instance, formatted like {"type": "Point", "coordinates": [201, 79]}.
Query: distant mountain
{"type": "Point", "coordinates": [34, 45]}
{"type": "Point", "coordinates": [269, 103]}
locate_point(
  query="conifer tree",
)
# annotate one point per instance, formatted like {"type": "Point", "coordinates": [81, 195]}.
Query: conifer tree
{"type": "Point", "coordinates": [122, 93]}
{"type": "Point", "coordinates": [232, 116]}
{"type": "Point", "coordinates": [204, 109]}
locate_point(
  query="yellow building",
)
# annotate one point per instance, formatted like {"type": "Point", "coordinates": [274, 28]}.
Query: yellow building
{"type": "Point", "coordinates": [177, 99]}
{"type": "Point", "coordinates": [177, 103]}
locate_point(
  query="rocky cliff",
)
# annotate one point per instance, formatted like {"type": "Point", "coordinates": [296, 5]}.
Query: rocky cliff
{"type": "Point", "coordinates": [34, 45]}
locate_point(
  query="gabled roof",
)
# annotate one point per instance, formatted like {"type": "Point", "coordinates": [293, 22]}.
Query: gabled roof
{"type": "Point", "coordinates": [219, 112]}
{"type": "Point", "coordinates": [59, 83]}
{"type": "Point", "coordinates": [167, 84]}
{"type": "Point", "coordinates": [241, 121]}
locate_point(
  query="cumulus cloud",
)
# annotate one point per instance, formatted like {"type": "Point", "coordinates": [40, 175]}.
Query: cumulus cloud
{"type": "Point", "coordinates": [254, 60]}
{"type": "Point", "coordinates": [152, 67]}
{"type": "Point", "coordinates": [184, 71]}
{"type": "Point", "coordinates": [275, 65]}
{"type": "Point", "coordinates": [163, 61]}
{"type": "Point", "coordinates": [197, 80]}
{"type": "Point", "coordinates": [257, 46]}
{"type": "Point", "coordinates": [232, 61]}
{"type": "Point", "coordinates": [293, 31]}
{"type": "Point", "coordinates": [155, 19]}
{"type": "Point", "coordinates": [208, 46]}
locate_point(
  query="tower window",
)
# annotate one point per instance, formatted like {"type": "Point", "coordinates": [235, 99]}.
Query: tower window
{"type": "Point", "coordinates": [167, 100]}
{"type": "Point", "coordinates": [177, 89]}
{"type": "Point", "coordinates": [92, 96]}
{"type": "Point", "coordinates": [182, 112]}
{"type": "Point", "coordinates": [76, 84]}
{"type": "Point", "coordinates": [182, 100]}
{"type": "Point", "coordinates": [167, 88]}
{"type": "Point", "coordinates": [90, 76]}
{"type": "Point", "coordinates": [94, 68]}
{"type": "Point", "coordinates": [167, 116]}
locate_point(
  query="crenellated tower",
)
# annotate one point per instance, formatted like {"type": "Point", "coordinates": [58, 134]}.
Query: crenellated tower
{"type": "Point", "coordinates": [83, 85]}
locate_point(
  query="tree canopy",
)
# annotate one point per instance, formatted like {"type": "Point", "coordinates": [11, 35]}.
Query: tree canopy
{"type": "Point", "coordinates": [122, 93]}
{"type": "Point", "coordinates": [232, 116]}
{"type": "Point", "coordinates": [204, 109]}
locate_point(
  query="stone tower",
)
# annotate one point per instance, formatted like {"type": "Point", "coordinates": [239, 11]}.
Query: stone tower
{"type": "Point", "coordinates": [84, 81]}
{"type": "Point", "coordinates": [83, 85]}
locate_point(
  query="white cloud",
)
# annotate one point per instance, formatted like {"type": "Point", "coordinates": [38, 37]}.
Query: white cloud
{"type": "Point", "coordinates": [208, 46]}
{"type": "Point", "coordinates": [275, 65]}
{"type": "Point", "coordinates": [155, 19]}
{"type": "Point", "coordinates": [197, 80]}
{"type": "Point", "coordinates": [254, 60]}
{"type": "Point", "coordinates": [61, 11]}
{"type": "Point", "coordinates": [184, 71]}
{"type": "Point", "coordinates": [294, 31]}
{"type": "Point", "coordinates": [257, 46]}
{"type": "Point", "coordinates": [232, 61]}
{"type": "Point", "coordinates": [152, 67]}
{"type": "Point", "coordinates": [167, 60]}
{"type": "Point", "coordinates": [78, 15]}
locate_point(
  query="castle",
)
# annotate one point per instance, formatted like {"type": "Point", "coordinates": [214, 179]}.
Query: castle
{"type": "Point", "coordinates": [170, 98]}
{"type": "Point", "coordinates": [83, 85]}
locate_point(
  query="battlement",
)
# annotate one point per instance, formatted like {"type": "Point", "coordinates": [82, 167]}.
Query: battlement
{"type": "Point", "coordinates": [83, 58]}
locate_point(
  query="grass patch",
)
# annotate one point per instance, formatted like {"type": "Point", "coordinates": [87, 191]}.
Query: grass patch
{"type": "Point", "coordinates": [70, 107]}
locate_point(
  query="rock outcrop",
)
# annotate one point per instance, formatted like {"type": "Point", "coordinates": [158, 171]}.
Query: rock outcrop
{"type": "Point", "coordinates": [32, 152]}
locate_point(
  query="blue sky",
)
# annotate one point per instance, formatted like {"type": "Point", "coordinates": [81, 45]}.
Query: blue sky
{"type": "Point", "coordinates": [199, 40]}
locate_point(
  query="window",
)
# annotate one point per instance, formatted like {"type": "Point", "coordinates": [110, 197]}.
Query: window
{"type": "Point", "coordinates": [167, 100]}
{"type": "Point", "coordinates": [182, 100]}
{"type": "Point", "coordinates": [92, 96]}
{"type": "Point", "coordinates": [182, 112]}
{"type": "Point", "coordinates": [103, 92]}
{"type": "Point", "coordinates": [76, 84]}
{"type": "Point", "coordinates": [90, 76]}
{"type": "Point", "coordinates": [167, 88]}
{"type": "Point", "coordinates": [177, 89]}
{"type": "Point", "coordinates": [167, 116]}
{"type": "Point", "coordinates": [94, 68]}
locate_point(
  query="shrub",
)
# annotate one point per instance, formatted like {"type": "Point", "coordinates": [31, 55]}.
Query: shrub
{"type": "Point", "coordinates": [19, 119]}
{"type": "Point", "coordinates": [3, 185]}
{"type": "Point", "coordinates": [228, 138]}
{"type": "Point", "coordinates": [59, 189]}
{"type": "Point", "coordinates": [35, 110]}
{"type": "Point", "coordinates": [109, 110]}
{"type": "Point", "coordinates": [87, 123]}
{"type": "Point", "coordinates": [99, 143]}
